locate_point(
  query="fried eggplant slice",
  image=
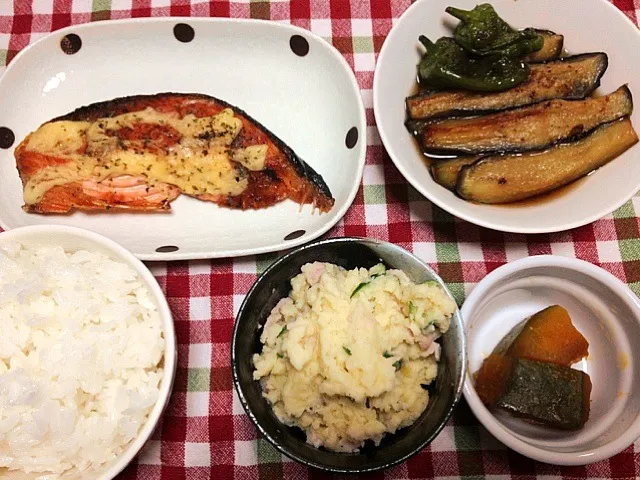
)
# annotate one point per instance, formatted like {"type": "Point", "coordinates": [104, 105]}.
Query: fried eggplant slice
{"type": "Point", "coordinates": [414, 127]}
{"type": "Point", "coordinates": [512, 177]}
{"type": "Point", "coordinates": [445, 172]}
{"type": "Point", "coordinates": [572, 78]}
{"type": "Point", "coordinates": [141, 152]}
{"type": "Point", "coordinates": [528, 128]}
{"type": "Point", "coordinates": [551, 48]}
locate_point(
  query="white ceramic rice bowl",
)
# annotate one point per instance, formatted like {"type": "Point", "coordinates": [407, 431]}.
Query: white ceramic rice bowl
{"type": "Point", "coordinates": [72, 239]}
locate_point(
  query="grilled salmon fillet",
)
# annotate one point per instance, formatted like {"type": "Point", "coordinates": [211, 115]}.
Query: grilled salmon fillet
{"type": "Point", "coordinates": [141, 152]}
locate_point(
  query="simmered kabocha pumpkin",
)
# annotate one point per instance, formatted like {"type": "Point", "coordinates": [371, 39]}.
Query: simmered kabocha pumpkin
{"type": "Point", "coordinates": [547, 393]}
{"type": "Point", "coordinates": [549, 336]}
{"type": "Point", "coordinates": [492, 378]}
{"type": "Point", "coordinates": [532, 378]}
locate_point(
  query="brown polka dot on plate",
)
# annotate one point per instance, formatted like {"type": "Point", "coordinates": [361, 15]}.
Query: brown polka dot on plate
{"type": "Point", "coordinates": [184, 33]}
{"type": "Point", "coordinates": [71, 44]}
{"type": "Point", "coordinates": [7, 137]}
{"type": "Point", "coordinates": [352, 138]}
{"type": "Point", "coordinates": [295, 234]}
{"type": "Point", "coordinates": [299, 45]}
{"type": "Point", "coordinates": [167, 249]}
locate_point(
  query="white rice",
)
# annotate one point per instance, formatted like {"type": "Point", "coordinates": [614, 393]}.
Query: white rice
{"type": "Point", "coordinates": [81, 346]}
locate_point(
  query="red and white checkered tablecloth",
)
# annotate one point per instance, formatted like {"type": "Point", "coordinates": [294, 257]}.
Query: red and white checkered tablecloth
{"type": "Point", "coordinates": [204, 432]}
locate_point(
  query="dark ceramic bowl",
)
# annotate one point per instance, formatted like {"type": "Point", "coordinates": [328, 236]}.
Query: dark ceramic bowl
{"type": "Point", "coordinates": [273, 285]}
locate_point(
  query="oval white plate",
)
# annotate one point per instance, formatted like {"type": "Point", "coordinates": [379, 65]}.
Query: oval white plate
{"type": "Point", "coordinates": [310, 102]}
{"type": "Point", "coordinates": [588, 26]}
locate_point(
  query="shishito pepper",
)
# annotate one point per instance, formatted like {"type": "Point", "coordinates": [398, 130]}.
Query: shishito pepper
{"type": "Point", "coordinates": [481, 31]}
{"type": "Point", "coordinates": [446, 64]}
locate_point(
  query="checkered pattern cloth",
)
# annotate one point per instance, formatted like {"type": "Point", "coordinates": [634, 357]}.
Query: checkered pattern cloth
{"type": "Point", "coordinates": [205, 433]}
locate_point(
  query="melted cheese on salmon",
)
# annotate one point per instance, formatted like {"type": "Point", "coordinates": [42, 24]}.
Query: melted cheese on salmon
{"type": "Point", "coordinates": [199, 161]}
{"type": "Point", "coordinates": [58, 138]}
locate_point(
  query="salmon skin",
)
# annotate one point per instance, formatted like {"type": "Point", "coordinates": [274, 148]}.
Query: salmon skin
{"type": "Point", "coordinates": [142, 152]}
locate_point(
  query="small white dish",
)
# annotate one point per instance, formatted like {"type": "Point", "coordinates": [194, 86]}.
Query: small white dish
{"type": "Point", "coordinates": [587, 26]}
{"type": "Point", "coordinates": [604, 310]}
{"type": "Point", "coordinates": [73, 239]}
{"type": "Point", "coordinates": [291, 81]}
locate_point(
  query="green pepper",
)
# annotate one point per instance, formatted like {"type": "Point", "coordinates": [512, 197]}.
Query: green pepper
{"type": "Point", "coordinates": [523, 48]}
{"type": "Point", "coordinates": [447, 65]}
{"type": "Point", "coordinates": [481, 31]}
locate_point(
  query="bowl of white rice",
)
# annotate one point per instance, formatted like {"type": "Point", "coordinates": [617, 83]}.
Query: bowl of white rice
{"type": "Point", "coordinates": [87, 354]}
{"type": "Point", "coordinates": [348, 354]}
